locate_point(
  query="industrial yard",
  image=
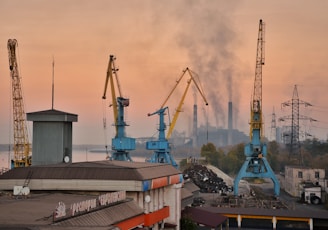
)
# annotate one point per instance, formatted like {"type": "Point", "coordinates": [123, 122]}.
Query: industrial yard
{"type": "Point", "coordinates": [196, 171]}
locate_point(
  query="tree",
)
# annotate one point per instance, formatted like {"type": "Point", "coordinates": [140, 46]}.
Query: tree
{"type": "Point", "coordinates": [208, 151]}
{"type": "Point", "coordinates": [212, 155]}
{"type": "Point", "coordinates": [272, 155]}
{"type": "Point", "coordinates": [235, 159]}
{"type": "Point", "coordinates": [273, 147]}
{"type": "Point", "coordinates": [187, 224]}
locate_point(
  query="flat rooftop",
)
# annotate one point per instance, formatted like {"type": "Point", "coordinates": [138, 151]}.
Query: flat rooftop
{"type": "Point", "coordinates": [92, 176]}
{"type": "Point", "coordinates": [36, 212]}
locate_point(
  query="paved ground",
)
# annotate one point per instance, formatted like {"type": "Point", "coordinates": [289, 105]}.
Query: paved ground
{"type": "Point", "coordinates": [267, 188]}
{"type": "Point", "coordinates": [291, 202]}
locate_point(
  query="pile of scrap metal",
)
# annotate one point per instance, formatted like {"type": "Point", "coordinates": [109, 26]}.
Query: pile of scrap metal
{"type": "Point", "coordinates": [206, 179]}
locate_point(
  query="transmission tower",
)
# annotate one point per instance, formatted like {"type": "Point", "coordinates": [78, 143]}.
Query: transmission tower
{"type": "Point", "coordinates": [291, 134]}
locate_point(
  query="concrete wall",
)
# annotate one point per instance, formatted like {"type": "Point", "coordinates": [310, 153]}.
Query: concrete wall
{"type": "Point", "coordinates": [172, 198]}
{"type": "Point", "coordinates": [156, 199]}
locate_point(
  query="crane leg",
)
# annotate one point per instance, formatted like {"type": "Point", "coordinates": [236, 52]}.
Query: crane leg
{"type": "Point", "coordinates": [261, 169]}
{"type": "Point", "coordinates": [240, 175]}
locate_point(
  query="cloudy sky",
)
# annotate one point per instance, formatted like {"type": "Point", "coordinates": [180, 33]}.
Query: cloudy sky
{"type": "Point", "coordinates": [153, 42]}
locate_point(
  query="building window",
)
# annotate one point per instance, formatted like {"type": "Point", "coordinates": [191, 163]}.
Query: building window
{"type": "Point", "coordinates": [300, 174]}
{"type": "Point", "coordinates": [316, 174]}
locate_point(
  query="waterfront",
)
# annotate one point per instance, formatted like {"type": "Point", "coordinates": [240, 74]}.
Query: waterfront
{"type": "Point", "coordinates": [79, 154]}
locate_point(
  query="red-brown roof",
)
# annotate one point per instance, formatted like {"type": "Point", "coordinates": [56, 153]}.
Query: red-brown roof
{"type": "Point", "coordinates": [205, 217]}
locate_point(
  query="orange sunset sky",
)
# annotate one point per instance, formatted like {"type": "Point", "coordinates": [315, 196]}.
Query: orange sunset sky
{"type": "Point", "coordinates": [153, 42]}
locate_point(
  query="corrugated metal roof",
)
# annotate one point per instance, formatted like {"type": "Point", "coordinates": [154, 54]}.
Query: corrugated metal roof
{"type": "Point", "coordinates": [99, 170]}
{"type": "Point", "coordinates": [105, 217]}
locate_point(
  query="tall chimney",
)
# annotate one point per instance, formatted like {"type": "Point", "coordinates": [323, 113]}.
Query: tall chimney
{"type": "Point", "coordinates": [194, 130]}
{"type": "Point", "coordinates": [230, 123]}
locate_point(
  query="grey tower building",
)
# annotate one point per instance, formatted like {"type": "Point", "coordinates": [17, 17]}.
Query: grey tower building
{"type": "Point", "coordinates": [52, 136]}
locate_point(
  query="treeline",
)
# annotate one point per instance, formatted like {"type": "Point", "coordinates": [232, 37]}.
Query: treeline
{"type": "Point", "coordinates": [312, 154]}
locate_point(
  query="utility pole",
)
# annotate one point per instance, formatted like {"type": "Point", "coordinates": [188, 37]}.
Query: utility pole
{"type": "Point", "coordinates": [291, 134]}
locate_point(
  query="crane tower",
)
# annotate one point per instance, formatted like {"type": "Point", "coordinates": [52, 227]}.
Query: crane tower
{"type": "Point", "coordinates": [256, 164]}
{"type": "Point", "coordinates": [22, 157]}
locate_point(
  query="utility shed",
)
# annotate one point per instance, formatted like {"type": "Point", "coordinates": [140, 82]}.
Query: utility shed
{"type": "Point", "coordinates": [52, 136]}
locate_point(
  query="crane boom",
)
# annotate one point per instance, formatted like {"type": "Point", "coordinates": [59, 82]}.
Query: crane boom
{"type": "Point", "coordinates": [22, 147]}
{"type": "Point", "coordinates": [256, 109]}
{"type": "Point", "coordinates": [110, 78]}
{"type": "Point", "coordinates": [256, 164]}
{"type": "Point", "coordinates": [175, 86]}
{"type": "Point", "coordinates": [178, 110]}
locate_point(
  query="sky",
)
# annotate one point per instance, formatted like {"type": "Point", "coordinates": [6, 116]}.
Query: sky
{"type": "Point", "coordinates": [154, 41]}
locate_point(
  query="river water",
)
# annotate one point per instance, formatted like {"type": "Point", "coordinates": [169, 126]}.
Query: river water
{"type": "Point", "coordinates": [78, 155]}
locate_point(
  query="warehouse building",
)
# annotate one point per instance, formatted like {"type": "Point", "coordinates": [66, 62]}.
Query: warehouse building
{"type": "Point", "coordinates": [102, 194]}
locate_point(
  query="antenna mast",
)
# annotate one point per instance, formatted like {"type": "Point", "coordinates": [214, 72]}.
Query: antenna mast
{"type": "Point", "coordinates": [53, 84]}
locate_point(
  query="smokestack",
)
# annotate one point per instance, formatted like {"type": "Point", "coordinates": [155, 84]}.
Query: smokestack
{"type": "Point", "coordinates": [194, 130]}
{"type": "Point", "coordinates": [230, 123]}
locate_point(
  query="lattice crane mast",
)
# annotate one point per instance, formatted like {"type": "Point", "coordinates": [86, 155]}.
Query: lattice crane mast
{"type": "Point", "coordinates": [120, 143]}
{"type": "Point", "coordinates": [22, 147]}
{"type": "Point", "coordinates": [256, 164]}
{"type": "Point", "coordinates": [161, 147]}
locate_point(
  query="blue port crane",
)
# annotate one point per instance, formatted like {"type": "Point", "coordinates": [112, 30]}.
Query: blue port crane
{"type": "Point", "coordinates": [121, 144]}
{"type": "Point", "coordinates": [256, 165]}
{"type": "Point", "coordinates": [161, 147]}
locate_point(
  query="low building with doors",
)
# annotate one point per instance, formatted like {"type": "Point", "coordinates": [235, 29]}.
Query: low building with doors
{"type": "Point", "coordinates": [296, 177]}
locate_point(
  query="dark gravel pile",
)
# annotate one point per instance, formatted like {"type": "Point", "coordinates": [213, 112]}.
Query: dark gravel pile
{"type": "Point", "coordinates": [206, 179]}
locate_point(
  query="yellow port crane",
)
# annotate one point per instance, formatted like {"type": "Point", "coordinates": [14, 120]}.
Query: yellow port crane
{"type": "Point", "coordinates": [256, 165]}
{"type": "Point", "coordinates": [179, 108]}
{"type": "Point", "coordinates": [161, 147]}
{"type": "Point", "coordinates": [22, 147]}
